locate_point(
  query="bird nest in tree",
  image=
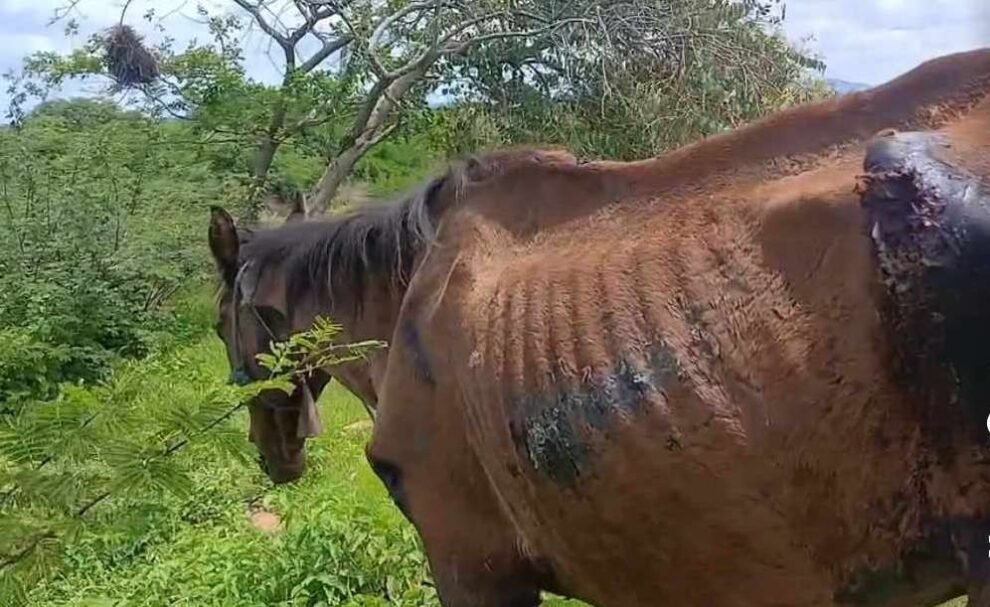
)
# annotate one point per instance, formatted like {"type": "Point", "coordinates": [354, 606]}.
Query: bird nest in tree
{"type": "Point", "coordinates": [129, 62]}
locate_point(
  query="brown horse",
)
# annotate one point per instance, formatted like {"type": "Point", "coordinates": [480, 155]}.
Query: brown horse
{"type": "Point", "coordinates": [742, 374]}
{"type": "Point", "coordinates": [275, 282]}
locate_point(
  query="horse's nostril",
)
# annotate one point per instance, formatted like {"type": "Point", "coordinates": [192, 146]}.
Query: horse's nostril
{"type": "Point", "coordinates": [263, 464]}
{"type": "Point", "coordinates": [239, 377]}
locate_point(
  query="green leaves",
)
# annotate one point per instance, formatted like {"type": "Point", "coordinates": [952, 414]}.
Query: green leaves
{"type": "Point", "coordinates": [92, 452]}
{"type": "Point", "coordinates": [343, 542]}
{"type": "Point", "coordinates": [677, 71]}
{"type": "Point", "coordinates": [314, 349]}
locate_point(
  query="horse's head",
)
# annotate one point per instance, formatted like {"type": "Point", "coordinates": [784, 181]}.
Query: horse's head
{"type": "Point", "coordinates": [350, 267]}
{"type": "Point", "coordinates": [251, 315]}
{"type": "Point", "coordinates": [422, 445]}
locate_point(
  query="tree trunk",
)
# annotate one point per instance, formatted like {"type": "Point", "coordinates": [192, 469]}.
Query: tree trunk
{"type": "Point", "coordinates": [261, 162]}
{"type": "Point", "coordinates": [364, 136]}
{"type": "Point", "coordinates": [336, 173]}
{"type": "Point", "coordinates": [264, 156]}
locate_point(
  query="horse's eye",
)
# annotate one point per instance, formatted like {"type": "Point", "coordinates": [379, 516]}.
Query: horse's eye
{"type": "Point", "coordinates": [391, 477]}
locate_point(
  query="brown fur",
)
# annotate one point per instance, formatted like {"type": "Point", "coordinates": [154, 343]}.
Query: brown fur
{"type": "Point", "coordinates": [776, 460]}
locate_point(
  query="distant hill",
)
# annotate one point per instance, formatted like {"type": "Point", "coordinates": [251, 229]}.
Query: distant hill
{"type": "Point", "coordinates": [844, 86]}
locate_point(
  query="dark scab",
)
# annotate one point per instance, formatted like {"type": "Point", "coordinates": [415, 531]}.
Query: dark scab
{"type": "Point", "coordinates": [591, 408]}
{"type": "Point", "coordinates": [553, 446]}
{"type": "Point", "coordinates": [636, 382]}
{"type": "Point", "coordinates": [930, 224]}
{"type": "Point", "coordinates": [624, 390]}
{"type": "Point", "coordinates": [553, 433]}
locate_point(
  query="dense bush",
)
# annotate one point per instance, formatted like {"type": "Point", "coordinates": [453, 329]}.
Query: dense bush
{"type": "Point", "coordinates": [100, 224]}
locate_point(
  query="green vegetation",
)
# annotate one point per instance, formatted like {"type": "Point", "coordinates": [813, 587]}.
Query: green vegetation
{"type": "Point", "coordinates": [342, 542]}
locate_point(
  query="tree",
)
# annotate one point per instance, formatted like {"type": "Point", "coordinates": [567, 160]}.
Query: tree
{"type": "Point", "coordinates": [369, 63]}
{"type": "Point", "coordinates": [577, 72]}
{"type": "Point", "coordinates": [676, 69]}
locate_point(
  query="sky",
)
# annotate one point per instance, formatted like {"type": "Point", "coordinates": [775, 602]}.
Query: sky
{"type": "Point", "coordinates": [872, 41]}
{"type": "Point", "coordinates": [863, 41]}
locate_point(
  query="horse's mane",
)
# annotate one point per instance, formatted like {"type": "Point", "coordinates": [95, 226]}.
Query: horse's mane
{"type": "Point", "coordinates": [336, 257]}
{"type": "Point", "coordinates": [341, 252]}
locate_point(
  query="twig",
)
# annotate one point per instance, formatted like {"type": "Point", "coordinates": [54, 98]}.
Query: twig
{"type": "Point", "coordinates": [123, 11]}
{"type": "Point", "coordinates": [16, 557]}
{"type": "Point", "coordinates": [255, 11]}
{"type": "Point", "coordinates": [61, 12]}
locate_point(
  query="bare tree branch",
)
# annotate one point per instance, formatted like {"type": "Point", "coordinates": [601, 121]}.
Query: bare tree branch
{"type": "Point", "coordinates": [329, 48]}
{"type": "Point", "coordinates": [61, 12]}
{"type": "Point", "coordinates": [255, 11]}
{"type": "Point", "coordinates": [375, 40]}
{"type": "Point", "coordinates": [312, 17]}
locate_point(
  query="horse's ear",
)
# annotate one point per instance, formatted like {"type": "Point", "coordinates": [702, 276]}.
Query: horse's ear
{"type": "Point", "coordinates": [298, 212]}
{"type": "Point", "coordinates": [224, 243]}
{"type": "Point", "coordinates": [437, 195]}
{"type": "Point", "coordinates": [444, 190]}
{"type": "Point", "coordinates": [475, 169]}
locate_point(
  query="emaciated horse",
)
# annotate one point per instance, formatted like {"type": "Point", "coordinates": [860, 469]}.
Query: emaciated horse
{"type": "Point", "coordinates": [752, 372]}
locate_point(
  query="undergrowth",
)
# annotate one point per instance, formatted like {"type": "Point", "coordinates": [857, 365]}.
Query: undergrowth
{"type": "Point", "coordinates": [342, 542]}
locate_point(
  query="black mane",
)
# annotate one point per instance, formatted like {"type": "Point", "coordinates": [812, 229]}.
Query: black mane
{"type": "Point", "coordinates": [339, 254]}
{"type": "Point", "coordinates": [336, 257]}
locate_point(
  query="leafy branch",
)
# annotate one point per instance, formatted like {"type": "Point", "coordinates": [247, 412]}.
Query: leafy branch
{"type": "Point", "coordinates": [141, 462]}
{"type": "Point", "coordinates": [314, 349]}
